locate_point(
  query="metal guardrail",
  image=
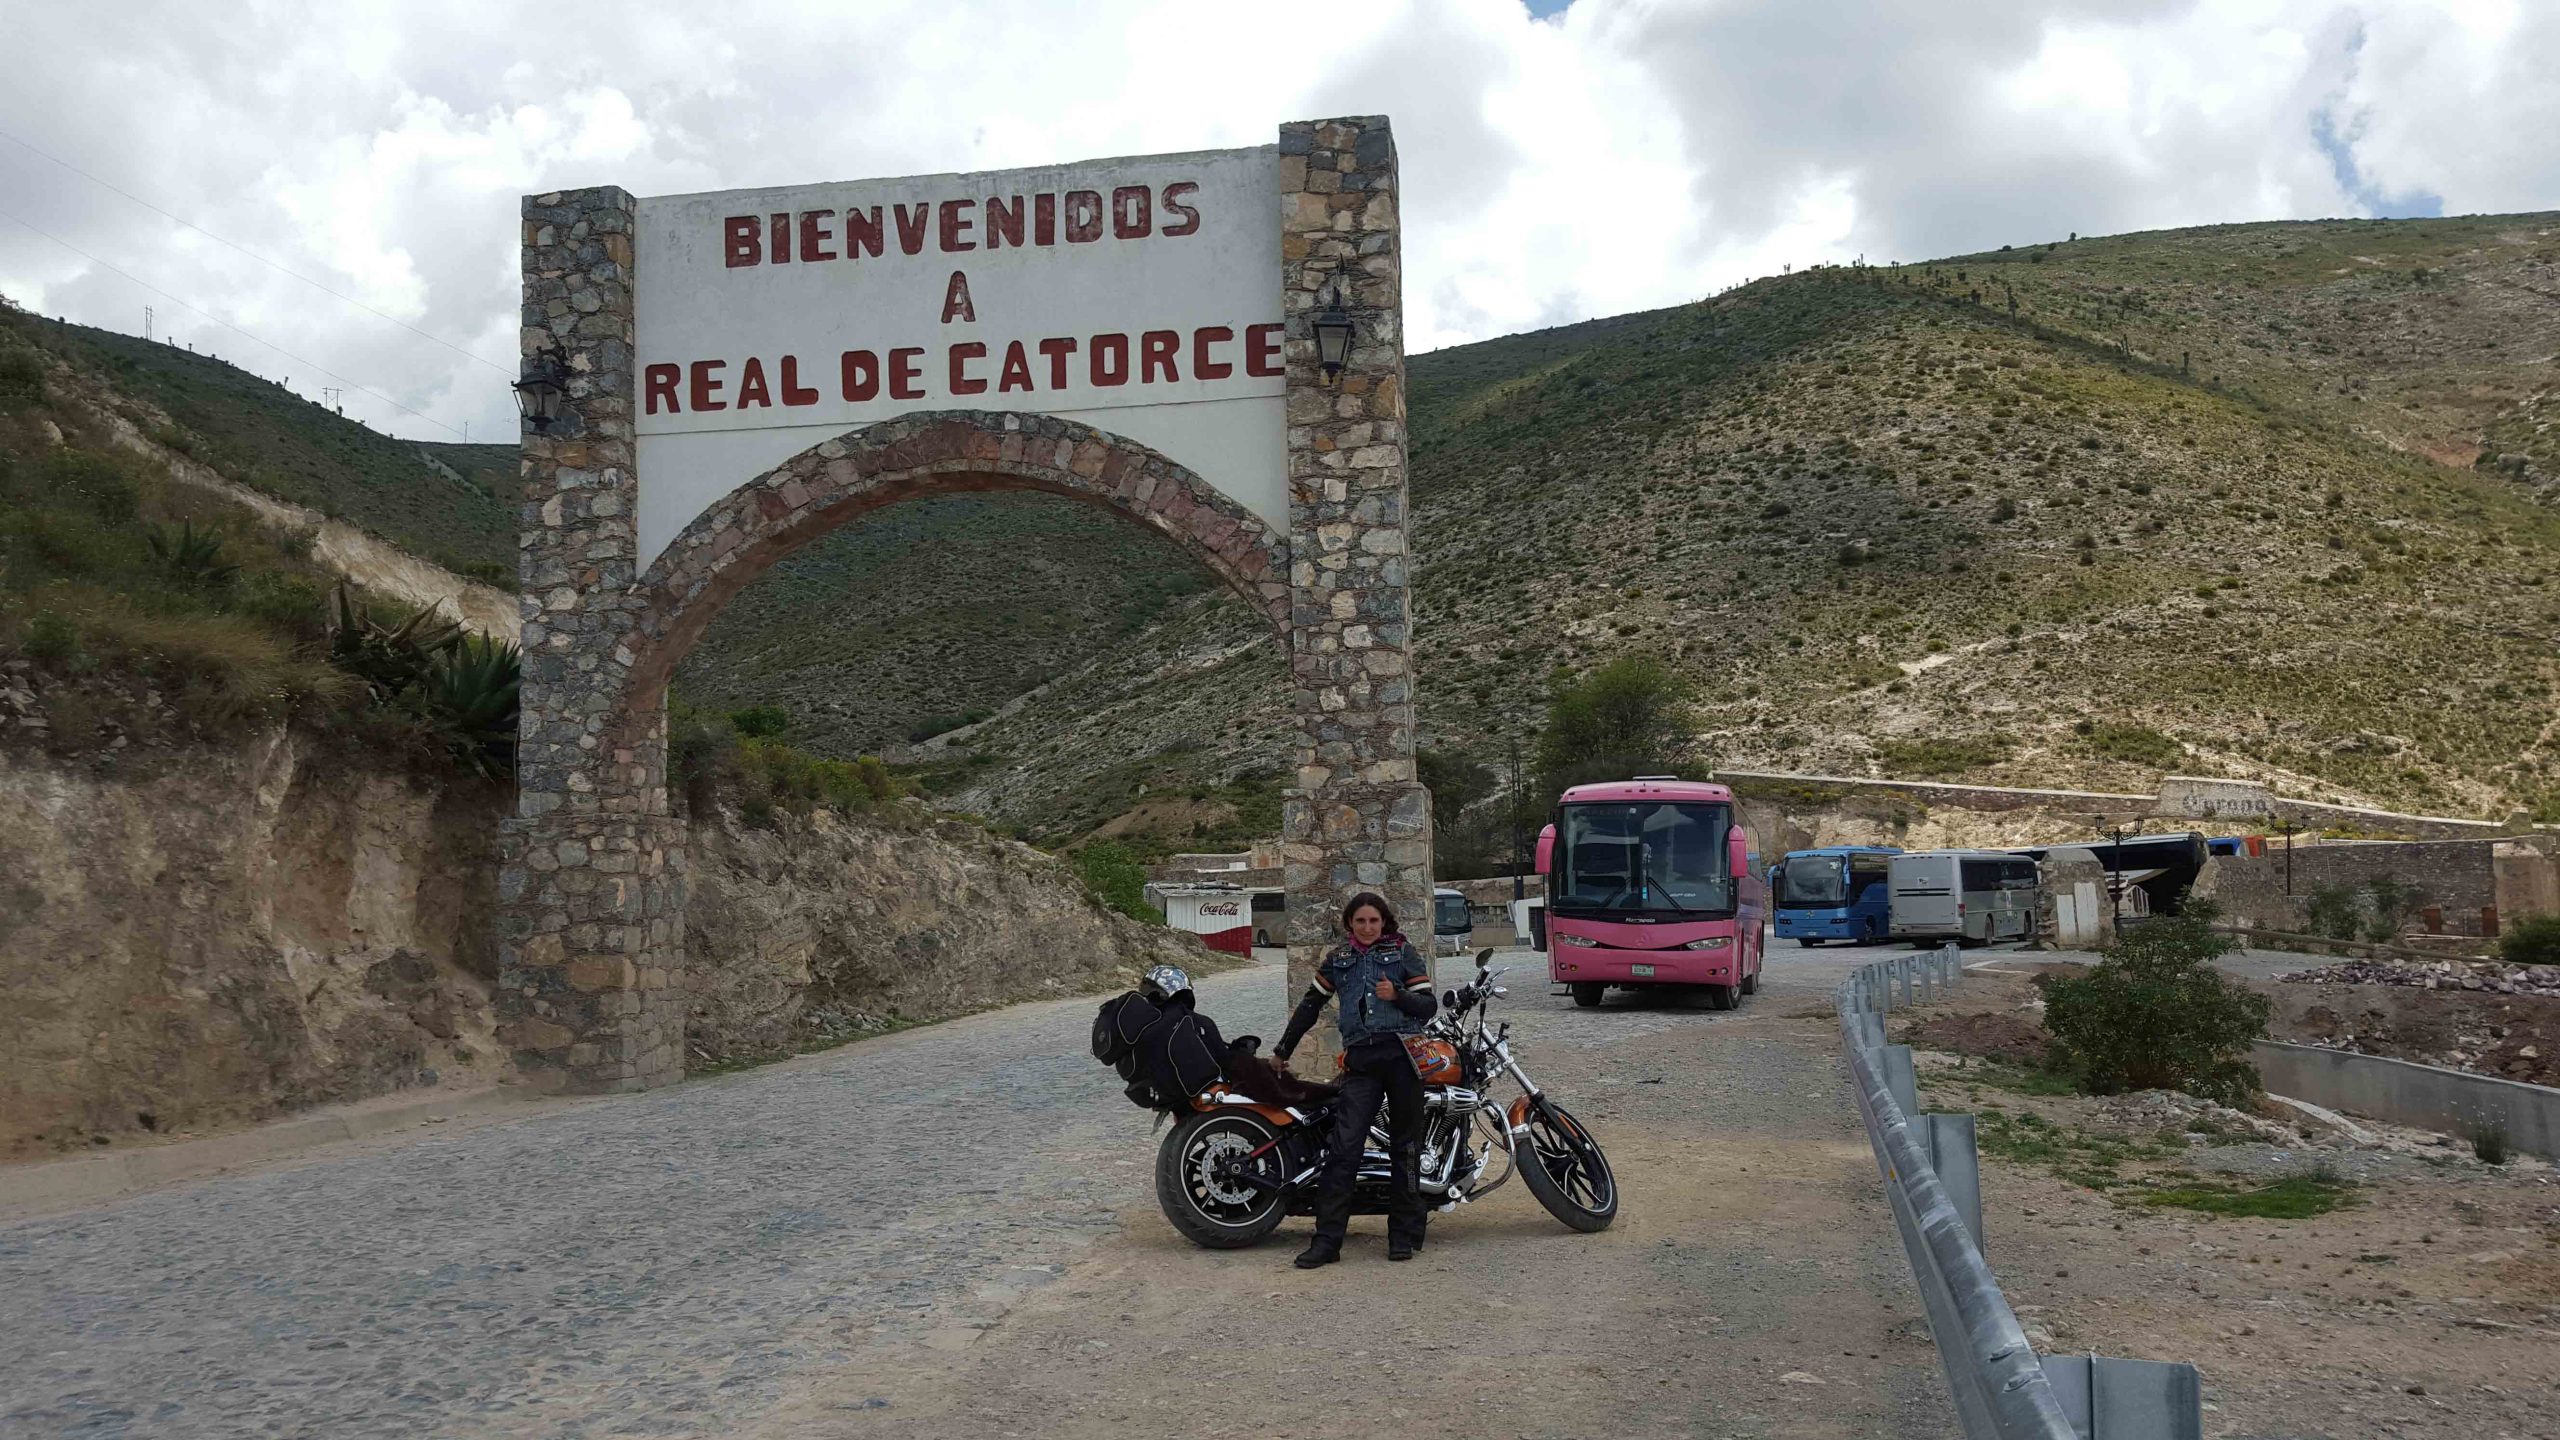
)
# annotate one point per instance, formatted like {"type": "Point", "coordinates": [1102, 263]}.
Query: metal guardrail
{"type": "Point", "coordinates": [2003, 1390]}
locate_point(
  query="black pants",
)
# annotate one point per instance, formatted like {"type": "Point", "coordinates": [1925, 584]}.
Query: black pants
{"type": "Point", "coordinates": [1379, 1069]}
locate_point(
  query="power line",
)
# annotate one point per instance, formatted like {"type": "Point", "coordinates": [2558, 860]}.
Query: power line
{"type": "Point", "coordinates": [227, 325]}
{"type": "Point", "coordinates": [505, 370]}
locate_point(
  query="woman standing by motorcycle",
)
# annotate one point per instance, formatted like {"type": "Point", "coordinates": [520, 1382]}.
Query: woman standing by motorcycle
{"type": "Point", "coordinates": [1384, 989]}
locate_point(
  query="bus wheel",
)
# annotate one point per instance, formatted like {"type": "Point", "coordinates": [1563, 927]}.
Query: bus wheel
{"type": "Point", "coordinates": [1810, 941]}
{"type": "Point", "coordinates": [1751, 983]}
{"type": "Point", "coordinates": [1723, 997]}
{"type": "Point", "coordinates": [1587, 993]}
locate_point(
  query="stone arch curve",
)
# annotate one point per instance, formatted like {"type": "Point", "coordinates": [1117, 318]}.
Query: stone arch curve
{"type": "Point", "coordinates": [591, 990]}
{"type": "Point", "coordinates": [913, 456]}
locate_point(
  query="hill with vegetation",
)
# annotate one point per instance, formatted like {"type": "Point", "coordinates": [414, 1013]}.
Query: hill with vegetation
{"type": "Point", "coordinates": [2263, 500]}
{"type": "Point", "coordinates": [2266, 501]}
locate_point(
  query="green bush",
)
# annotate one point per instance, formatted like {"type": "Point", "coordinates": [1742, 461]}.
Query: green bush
{"type": "Point", "coordinates": [1935, 756]}
{"type": "Point", "coordinates": [2154, 1014]}
{"type": "Point", "coordinates": [1112, 875]}
{"type": "Point", "coordinates": [2132, 744]}
{"type": "Point", "coordinates": [761, 722]}
{"type": "Point", "coordinates": [2533, 940]}
{"type": "Point", "coordinates": [21, 379]}
{"type": "Point", "coordinates": [52, 639]}
{"type": "Point", "coordinates": [2334, 910]}
{"type": "Point", "coordinates": [1629, 717]}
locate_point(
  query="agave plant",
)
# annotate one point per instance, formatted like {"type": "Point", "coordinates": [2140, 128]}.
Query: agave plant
{"type": "Point", "coordinates": [194, 557]}
{"type": "Point", "coordinates": [388, 658]}
{"type": "Point", "coordinates": [468, 696]}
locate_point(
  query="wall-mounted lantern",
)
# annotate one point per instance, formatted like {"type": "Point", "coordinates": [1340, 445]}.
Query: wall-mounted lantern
{"type": "Point", "coordinates": [1332, 326]}
{"type": "Point", "coordinates": [544, 386]}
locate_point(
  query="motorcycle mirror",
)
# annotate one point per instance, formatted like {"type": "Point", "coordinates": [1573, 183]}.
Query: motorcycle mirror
{"type": "Point", "coordinates": [1481, 957]}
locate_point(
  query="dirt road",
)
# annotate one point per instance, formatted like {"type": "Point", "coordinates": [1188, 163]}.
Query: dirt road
{"type": "Point", "coordinates": [953, 1232]}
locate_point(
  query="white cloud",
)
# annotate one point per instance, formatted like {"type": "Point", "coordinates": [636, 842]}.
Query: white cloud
{"type": "Point", "coordinates": [1629, 153]}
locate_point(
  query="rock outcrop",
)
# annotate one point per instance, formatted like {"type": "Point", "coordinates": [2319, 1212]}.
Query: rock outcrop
{"type": "Point", "coordinates": [220, 938]}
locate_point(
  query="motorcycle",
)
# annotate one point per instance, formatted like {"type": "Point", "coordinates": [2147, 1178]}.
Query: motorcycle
{"type": "Point", "coordinates": [1235, 1167]}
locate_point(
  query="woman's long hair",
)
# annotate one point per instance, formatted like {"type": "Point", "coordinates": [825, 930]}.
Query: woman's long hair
{"type": "Point", "coordinates": [1370, 899]}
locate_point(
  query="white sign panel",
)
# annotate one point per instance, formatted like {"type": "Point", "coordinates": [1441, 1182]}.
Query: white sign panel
{"type": "Point", "coordinates": [1138, 296]}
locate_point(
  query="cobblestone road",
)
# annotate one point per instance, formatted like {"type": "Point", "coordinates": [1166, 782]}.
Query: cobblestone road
{"type": "Point", "coordinates": [670, 1264]}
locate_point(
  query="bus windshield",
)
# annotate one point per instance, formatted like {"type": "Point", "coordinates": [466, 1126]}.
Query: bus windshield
{"type": "Point", "coordinates": [1449, 915]}
{"type": "Point", "coordinates": [1651, 858]}
{"type": "Point", "coordinates": [1814, 880]}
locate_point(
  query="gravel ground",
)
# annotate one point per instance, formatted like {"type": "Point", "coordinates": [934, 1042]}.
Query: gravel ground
{"type": "Point", "coordinates": [2425, 1308]}
{"type": "Point", "coordinates": [953, 1230]}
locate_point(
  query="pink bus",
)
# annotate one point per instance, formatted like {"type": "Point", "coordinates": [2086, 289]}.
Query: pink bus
{"type": "Point", "coordinates": [1652, 881]}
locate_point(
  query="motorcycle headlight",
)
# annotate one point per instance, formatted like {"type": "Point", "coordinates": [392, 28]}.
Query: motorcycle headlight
{"type": "Point", "coordinates": [1583, 941]}
{"type": "Point", "coordinates": [1712, 942]}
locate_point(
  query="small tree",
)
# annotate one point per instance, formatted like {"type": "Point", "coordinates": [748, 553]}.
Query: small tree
{"type": "Point", "coordinates": [2333, 911]}
{"type": "Point", "coordinates": [2155, 1015]}
{"type": "Point", "coordinates": [2392, 902]}
{"type": "Point", "coordinates": [2533, 940]}
{"type": "Point", "coordinates": [1629, 717]}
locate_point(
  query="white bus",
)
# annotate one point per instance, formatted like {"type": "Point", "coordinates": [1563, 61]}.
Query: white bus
{"type": "Point", "coordinates": [1970, 896]}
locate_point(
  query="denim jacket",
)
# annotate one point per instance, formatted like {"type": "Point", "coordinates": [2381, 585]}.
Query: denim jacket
{"type": "Point", "coordinates": [1349, 976]}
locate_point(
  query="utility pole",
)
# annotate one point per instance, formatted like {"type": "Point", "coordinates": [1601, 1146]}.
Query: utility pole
{"type": "Point", "coordinates": [2288, 827]}
{"type": "Point", "coordinates": [1519, 850]}
{"type": "Point", "coordinates": [147, 319]}
{"type": "Point", "coordinates": [2115, 881]}
{"type": "Point", "coordinates": [329, 396]}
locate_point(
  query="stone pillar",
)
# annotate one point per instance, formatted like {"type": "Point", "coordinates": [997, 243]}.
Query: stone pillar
{"type": "Point", "coordinates": [1357, 818]}
{"type": "Point", "coordinates": [591, 945]}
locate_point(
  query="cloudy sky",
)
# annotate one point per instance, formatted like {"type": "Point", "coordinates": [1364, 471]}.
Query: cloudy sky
{"type": "Point", "coordinates": [1560, 161]}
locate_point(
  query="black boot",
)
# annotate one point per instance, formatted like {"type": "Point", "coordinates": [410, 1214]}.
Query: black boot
{"type": "Point", "coordinates": [1322, 1250]}
{"type": "Point", "coordinates": [1400, 1248]}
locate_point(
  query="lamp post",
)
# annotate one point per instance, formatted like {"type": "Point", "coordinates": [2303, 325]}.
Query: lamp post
{"type": "Point", "coordinates": [2288, 827]}
{"type": "Point", "coordinates": [544, 386]}
{"type": "Point", "coordinates": [1332, 327]}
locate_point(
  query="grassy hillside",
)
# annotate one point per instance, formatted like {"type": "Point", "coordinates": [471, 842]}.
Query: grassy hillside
{"type": "Point", "coordinates": [260, 434]}
{"type": "Point", "coordinates": [933, 613]}
{"type": "Point", "coordinates": [2265, 500]}
{"type": "Point", "coordinates": [2202, 501]}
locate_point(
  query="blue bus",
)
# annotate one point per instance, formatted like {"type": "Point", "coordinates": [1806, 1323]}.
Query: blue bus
{"type": "Point", "coordinates": [1835, 893]}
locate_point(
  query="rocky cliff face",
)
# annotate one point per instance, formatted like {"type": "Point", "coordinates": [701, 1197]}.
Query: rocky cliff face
{"type": "Point", "coordinates": [233, 937]}
{"type": "Point", "coordinates": [825, 928]}
{"type": "Point", "coordinates": [241, 935]}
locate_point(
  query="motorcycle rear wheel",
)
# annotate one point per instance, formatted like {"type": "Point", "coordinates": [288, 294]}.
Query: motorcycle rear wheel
{"type": "Point", "coordinates": [1212, 1212]}
{"type": "Point", "coordinates": [1562, 1166]}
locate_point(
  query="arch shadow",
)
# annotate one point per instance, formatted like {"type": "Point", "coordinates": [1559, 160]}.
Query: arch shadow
{"type": "Point", "coordinates": [914, 456]}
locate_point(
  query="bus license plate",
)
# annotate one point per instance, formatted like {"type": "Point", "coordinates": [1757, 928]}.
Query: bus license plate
{"type": "Point", "coordinates": [1641, 972]}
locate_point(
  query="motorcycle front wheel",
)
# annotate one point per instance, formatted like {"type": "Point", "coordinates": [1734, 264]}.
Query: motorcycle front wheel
{"type": "Point", "coordinates": [1564, 1168]}
{"type": "Point", "coordinates": [1201, 1194]}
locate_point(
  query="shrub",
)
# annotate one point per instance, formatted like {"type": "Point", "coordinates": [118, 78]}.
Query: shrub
{"type": "Point", "coordinates": [2390, 904]}
{"type": "Point", "coordinates": [21, 379]}
{"type": "Point", "coordinates": [761, 722]}
{"type": "Point", "coordinates": [102, 482]}
{"type": "Point", "coordinates": [1955, 755]}
{"type": "Point", "coordinates": [2154, 1014]}
{"type": "Point", "coordinates": [1112, 875]}
{"type": "Point", "coordinates": [2533, 940]}
{"type": "Point", "coordinates": [52, 639]}
{"type": "Point", "coordinates": [2334, 910]}
{"type": "Point", "coordinates": [2132, 744]}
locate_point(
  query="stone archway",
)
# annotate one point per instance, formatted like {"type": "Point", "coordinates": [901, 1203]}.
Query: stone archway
{"type": "Point", "coordinates": [934, 453]}
{"type": "Point", "coordinates": [591, 985]}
